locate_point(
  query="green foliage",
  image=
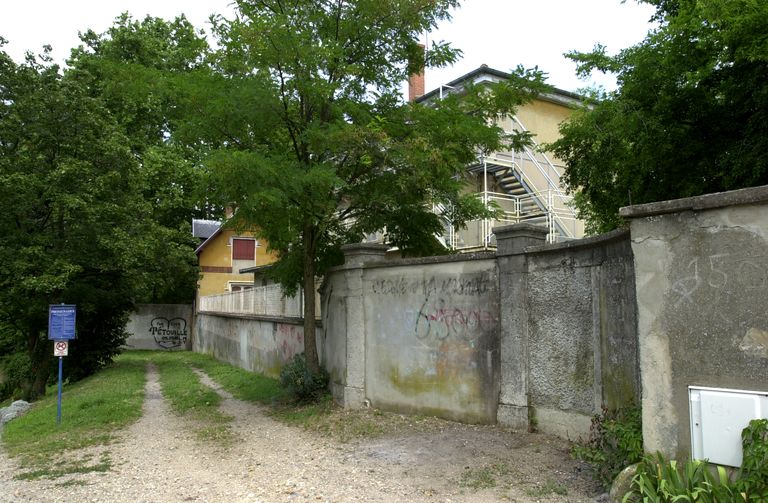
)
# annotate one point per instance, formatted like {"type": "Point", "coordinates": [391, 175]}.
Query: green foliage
{"type": "Point", "coordinates": [615, 442]}
{"type": "Point", "coordinates": [69, 204]}
{"type": "Point", "coordinates": [300, 382]}
{"type": "Point", "coordinates": [243, 384]}
{"type": "Point", "coordinates": [660, 481]}
{"type": "Point", "coordinates": [753, 477]}
{"type": "Point", "coordinates": [312, 142]}
{"type": "Point", "coordinates": [690, 115]}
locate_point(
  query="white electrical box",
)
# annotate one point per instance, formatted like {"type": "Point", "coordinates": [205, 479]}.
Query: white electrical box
{"type": "Point", "coordinates": [717, 418]}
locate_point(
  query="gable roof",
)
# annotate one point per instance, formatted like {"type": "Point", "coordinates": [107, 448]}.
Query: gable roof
{"type": "Point", "coordinates": [487, 74]}
{"type": "Point", "coordinates": [204, 228]}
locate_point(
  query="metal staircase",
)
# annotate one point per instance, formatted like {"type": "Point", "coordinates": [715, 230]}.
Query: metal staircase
{"type": "Point", "coordinates": [526, 188]}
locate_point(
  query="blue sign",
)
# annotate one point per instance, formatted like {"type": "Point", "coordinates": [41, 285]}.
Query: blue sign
{"type": "Point", "coordinates": [61, 321]}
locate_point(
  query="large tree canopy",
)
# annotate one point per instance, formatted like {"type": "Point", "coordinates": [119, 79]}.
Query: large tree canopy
{"type": "Point", "coordinates": [95, 198]}
{"type": "Point", "coordinates": [690, 115]}
{"type": "Point", "coordinates": [316, 147]}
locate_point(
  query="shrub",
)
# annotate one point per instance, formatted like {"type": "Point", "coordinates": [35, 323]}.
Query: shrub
{"type": "Point", "coordinates": [658, 480]}
{"type": "Point", "coordinates": [753, 477]}
{"type": "Point", "coordinates": [615, 441]}
{"type": "Point", "coordinates": [300, 383]}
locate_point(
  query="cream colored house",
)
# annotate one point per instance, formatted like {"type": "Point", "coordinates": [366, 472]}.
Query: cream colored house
{"type": "Point", "coordinates": [525, 184]}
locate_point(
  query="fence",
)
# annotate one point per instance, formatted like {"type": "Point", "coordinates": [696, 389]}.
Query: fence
{"type": "Point", "coordinates": [269, 300]}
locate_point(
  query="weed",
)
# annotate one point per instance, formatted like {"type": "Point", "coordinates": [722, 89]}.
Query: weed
{"type": "Point", "coordinates": [549, 487]}
{"type": "Point", "coordinates": [301, 383]}
{"type": "Point", "coordinates": [483, 477]}
{"type": "Point", "coordinates": [615, 441]}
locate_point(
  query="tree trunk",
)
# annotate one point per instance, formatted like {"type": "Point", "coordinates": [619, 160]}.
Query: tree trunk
{"type": "Point", "coordinates": [310, 340]}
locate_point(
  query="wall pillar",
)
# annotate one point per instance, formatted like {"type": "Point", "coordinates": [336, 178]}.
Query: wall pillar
{"type": "Point", "coordinates": [355, 257]}
{"type": "Point", "coordinates": [512, 240]}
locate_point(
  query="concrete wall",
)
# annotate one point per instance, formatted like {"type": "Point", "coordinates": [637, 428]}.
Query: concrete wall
{"type": "Point", "coordinates": [417, 336]}
{"type": "Point", "coordinates": [537, 333]}
{"type": "Point", "coordinates": [160, 326]}
{"type": "Point", "coordinates": [702, 284]}
{"type": "Point", "coordinates": [568, 329]}
{"type": "Point", "coordinates": [256, 343]}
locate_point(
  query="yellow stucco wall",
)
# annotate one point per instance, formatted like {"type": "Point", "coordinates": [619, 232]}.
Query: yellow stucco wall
{"type": "Point", "coordinates": [218, 253]}
{"type": "Point", "coordinates": [542, 118]}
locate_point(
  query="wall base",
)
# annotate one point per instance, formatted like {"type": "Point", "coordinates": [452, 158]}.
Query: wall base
{"type": "Point", "coordinates": [564, 424]}
{"type": "Point", "coordinates": [512, 416]}
{"type": "Point", "coordinates": [352, 398]}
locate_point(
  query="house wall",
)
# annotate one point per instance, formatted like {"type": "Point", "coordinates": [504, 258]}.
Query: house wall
{"type": "Point", "coordinates": [160, 326]}
{"type": "Point", "coordinates": [702, 284]}
{"type": "Point", "coordinates": [256, 343]}
{"type": "Point", "coordinates": [215, 261]}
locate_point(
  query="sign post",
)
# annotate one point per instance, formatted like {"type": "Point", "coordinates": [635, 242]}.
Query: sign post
{"type": "Point", "coordinates": [61, 329]}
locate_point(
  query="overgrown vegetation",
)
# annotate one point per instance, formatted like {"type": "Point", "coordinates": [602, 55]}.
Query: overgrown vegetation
{"type": "Point", "coordinates": [92, 411]}
{"type": "Point", "coordinates": [302, 383]}
{"type": "Point", "coordinates": [615, 441]}
{"type": "Point", "coordinates": [661, 481]}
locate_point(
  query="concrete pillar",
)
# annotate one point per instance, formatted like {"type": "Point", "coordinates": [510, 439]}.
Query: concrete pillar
{"type": "Point", "coordinates": [511, 241]}
{"type": "Point", "coordinates": [355, 258]}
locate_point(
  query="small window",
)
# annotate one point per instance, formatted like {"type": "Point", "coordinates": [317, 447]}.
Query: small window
{"type": "Point", "coordinates": [243, 249]}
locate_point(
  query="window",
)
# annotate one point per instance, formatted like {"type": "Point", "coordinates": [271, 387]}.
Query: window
{"type": "Point", "coordinates": [243, 249]}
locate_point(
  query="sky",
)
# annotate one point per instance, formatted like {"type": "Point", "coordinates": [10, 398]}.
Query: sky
{"type": "Point", "coordinates": [499, 33]}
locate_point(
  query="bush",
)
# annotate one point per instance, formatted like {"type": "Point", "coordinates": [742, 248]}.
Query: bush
{"type": "Point", "coordinates": [661, 481]}
{"type": "Point", "coordinates": [658, 480]}
{"type": "Point", "coordinates": [753, 477]}
{"type": "Point", "coordinates": [300, 383]}
{"type": "Point", "coordinates": [615, 442]}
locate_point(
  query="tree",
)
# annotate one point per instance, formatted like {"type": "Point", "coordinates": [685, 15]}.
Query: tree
{"type": "Point", "coordinates": [131, 68]}
{"type": "Point", "coordinates": [690, 115]}
{"type": "Point", "coordinates": [70, 221]}
{"type": "Point", "coordinates": [316, 146]}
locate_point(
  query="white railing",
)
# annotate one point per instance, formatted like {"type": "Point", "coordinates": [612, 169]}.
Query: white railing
{"type": "Point", "coordinates": [268, 300]}
{"type": "Point", "coordinates": [478, 234]}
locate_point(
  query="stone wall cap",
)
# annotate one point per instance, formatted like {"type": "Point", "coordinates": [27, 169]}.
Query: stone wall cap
{"type": "Point", "coordinates": [364, 247]}
{"type": "Point", "coordinates": [574, 244]}
{"type": "Point", "coordinates": [520, 229]}
{"type": "Point", "coordinates": [410, 261]}
{"type": "Point", "coordinates": [749, 195]}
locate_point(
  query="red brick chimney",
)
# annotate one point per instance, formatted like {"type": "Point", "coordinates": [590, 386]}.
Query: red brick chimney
{"type": "Point", "coordinates": [416, 83]}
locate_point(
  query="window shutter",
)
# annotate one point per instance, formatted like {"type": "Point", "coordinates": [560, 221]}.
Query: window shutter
{"type": "Point", "coordinates": [243, 249]}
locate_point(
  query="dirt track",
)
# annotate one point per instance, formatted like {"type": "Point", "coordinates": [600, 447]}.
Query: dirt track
{"type": "Point", "coordinates": [158, 460]}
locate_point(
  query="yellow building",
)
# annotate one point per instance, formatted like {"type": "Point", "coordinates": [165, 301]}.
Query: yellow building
{"type": "Point", "coordinates": [525, 183]}
{"type": "Point", "coordinates": [221, 256]}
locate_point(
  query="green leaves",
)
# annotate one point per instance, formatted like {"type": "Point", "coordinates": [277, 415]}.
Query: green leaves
{"type": "Point", "coordinates": [689, 116]}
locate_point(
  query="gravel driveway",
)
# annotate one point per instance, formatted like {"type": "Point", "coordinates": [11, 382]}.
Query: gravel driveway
{"type": "Point", "coordinates": [158, 460]}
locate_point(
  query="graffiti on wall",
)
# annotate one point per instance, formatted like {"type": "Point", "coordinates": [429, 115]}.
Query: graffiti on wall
{"type": "Point", "coordinates": [448, 321]}
{"type": "Point", "coordinates": [459, 285]}
{"type": "Point", "coordinates": [289, 340]}
{"type": "Point", "coordinates": [169, 333]}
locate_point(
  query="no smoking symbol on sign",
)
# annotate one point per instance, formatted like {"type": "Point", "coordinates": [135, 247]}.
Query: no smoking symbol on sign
{"type": "Point", "coordinates": [60, 348]}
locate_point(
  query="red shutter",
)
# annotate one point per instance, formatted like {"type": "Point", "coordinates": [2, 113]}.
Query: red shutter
{"type": "Point", "coordinates": [243, 249]}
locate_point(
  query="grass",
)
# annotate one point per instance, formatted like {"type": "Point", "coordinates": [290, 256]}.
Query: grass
{"type": "Point", "coordinates": [549, 487]}
{"type": "Point", "coordinates": [244, 385]}
{"type": "Point", "coordinates": [188, 397]}
{"type": "Point", "coordinates": [93, 410]}
{"type": "Point", "coordinates": [483, 477]}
